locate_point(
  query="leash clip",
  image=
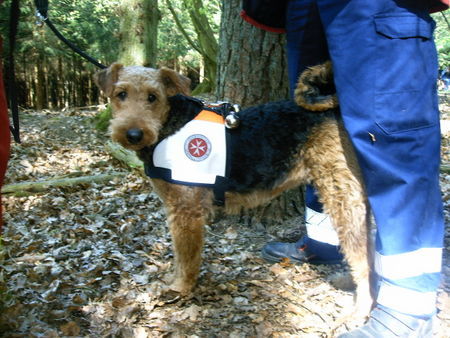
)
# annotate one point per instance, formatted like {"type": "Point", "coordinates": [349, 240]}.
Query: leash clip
{"type": "Point", "coordinates": [229, 112]}
{"type": "Point", "coordinates": [40, 19]}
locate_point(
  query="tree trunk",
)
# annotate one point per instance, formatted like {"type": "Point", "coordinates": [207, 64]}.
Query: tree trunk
{"type": "Point", "coordinates": [27, 76]}
{"type": "Point", "coordinates": [60, 84]}
{"type": "Point", "coordinates": [40, 85]}
{"type": "Point", "coordinates": [253, 69]}
{"type": "Point", "coordinates": [138, 32]}
{"type": "Point", "coordinates": [151, 19]}
{"type": "Point", "coordinates": [205, 44]}
{"type": "Point", "coordinates": [252, 62]}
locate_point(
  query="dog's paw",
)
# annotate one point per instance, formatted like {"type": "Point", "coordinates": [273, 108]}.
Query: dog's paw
{"type": "Point", "coordinates": [181, 287]}
{"type": "Point", "coordinates": [363, 301]}
{"type": "Point", "coordinates": [169, 296]}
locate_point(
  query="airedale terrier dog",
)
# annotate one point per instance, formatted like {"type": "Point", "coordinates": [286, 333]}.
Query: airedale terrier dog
{"type": "Point", "coordinates": [269, 149]}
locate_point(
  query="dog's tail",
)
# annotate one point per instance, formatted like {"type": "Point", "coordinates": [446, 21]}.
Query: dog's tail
{"type": "Point", "coordinates": [315, 88]}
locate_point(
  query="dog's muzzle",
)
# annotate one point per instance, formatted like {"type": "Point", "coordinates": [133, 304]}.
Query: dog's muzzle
{"type": "Point", "coordinates": [135, 135]}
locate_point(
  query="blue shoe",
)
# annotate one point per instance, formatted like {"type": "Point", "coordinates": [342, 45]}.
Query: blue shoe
{"type": "Point", "coordinates": [305, 250]}
{"type": "Point", "coordinates": [387, 323]}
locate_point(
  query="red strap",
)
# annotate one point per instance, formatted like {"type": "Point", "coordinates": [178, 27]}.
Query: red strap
{"type": "Point", "coordinates": [260, 25]}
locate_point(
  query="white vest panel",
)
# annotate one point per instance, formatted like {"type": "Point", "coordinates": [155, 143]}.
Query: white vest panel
{"type": "Point", "coordinates": [196, 153]}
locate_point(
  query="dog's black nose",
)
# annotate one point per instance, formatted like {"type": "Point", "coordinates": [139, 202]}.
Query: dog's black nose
{"type": "Point", "coordinates": [135, 135]}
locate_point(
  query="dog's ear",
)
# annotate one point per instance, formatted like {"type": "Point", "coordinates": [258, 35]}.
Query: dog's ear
{"type": "Point", "coordinates": [175, 83]}
{"type": "Point", "coordinates": [106, 78]}
{"type": "Point", "coordinates": [315, 88]}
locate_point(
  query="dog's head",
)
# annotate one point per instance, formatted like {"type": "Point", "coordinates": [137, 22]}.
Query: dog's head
{"type": "Point", "coordinates": [139, 101]}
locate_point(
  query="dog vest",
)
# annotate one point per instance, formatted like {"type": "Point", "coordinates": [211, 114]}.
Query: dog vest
{"type": "Point", "coordinates": [196, 155]}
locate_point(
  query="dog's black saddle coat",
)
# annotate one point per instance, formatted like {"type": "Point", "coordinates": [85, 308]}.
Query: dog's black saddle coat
{"type": "Point", "coordinates": [262, 149]}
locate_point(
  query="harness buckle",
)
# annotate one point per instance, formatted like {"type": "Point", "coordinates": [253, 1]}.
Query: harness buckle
{"type": "Point", "coordinates": [40, 19]}
{"type": "Point", "coordinates": [229, 112]}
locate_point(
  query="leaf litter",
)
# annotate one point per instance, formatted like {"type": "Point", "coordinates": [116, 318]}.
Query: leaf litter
{"type": "Point", "coordinates": [91, 260]}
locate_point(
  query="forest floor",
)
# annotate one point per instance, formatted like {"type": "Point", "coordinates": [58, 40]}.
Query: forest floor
{"type": "Point", "coordinates": [90, 260]}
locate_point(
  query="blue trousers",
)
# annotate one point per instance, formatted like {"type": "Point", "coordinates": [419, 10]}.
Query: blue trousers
{"type": "Point", "coordinates": [385, 68]}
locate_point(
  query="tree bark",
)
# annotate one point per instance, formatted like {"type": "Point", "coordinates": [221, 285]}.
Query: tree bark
{"type": "Point", "coordinates": [252, 62]}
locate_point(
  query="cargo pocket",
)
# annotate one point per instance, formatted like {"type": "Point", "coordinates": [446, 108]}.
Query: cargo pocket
{"type": "Point", "coordinates": [406, 70]}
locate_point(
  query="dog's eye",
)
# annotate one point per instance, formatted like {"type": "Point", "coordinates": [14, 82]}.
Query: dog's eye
{"type": "Point", "coordinates": [122, 96]}
{"type": "Point", "coordinates": [151, 98]}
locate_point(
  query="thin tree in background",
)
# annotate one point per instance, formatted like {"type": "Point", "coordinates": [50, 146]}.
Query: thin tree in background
{"type": "Point", "coordinates": [205, 44]}
{"type": "Point", "coordinates": [138, 32]}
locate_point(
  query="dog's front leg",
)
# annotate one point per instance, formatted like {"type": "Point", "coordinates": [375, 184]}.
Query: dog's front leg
{"type": "Point", "coordinates": [187, 210]}
{"type": "Point", "coordinates": [186, 228]}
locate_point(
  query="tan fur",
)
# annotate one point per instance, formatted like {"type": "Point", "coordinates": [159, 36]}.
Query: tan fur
{"type": "Point", "coordinates": [327, 161]}
{"type": "Point", "coordinates": [309, 86]}
{"type": "Point", "coordinates": [334, 171]}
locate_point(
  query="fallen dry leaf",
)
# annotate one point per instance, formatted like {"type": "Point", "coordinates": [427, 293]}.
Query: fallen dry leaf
{"type": "Point", "coordinates": [70, 329]}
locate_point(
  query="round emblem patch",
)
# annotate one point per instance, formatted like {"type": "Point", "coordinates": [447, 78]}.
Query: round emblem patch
{"type": "Point", "coordinates": [197, 147]}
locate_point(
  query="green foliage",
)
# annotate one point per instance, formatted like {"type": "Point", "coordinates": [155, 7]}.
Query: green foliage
{"type": "Point", "coordinates": [90, 25]}
{"type": "Point", "coordinates": [102, 119]}
{"type": "Point", "coordinates": [200, 32]}
{"type": "Point", "coordinates": [94, 27]}
{"type": "Point", "coordinates": [442, 37]}
{"type": "Point", "coordinates": [172, 43]}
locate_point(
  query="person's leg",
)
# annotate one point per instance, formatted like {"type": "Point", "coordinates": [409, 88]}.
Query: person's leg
{"type": "Point", "coordinates": [306, 46]}
{"type": "Point", "coordinates": [4, 133]}
{"type": "Point", "coordinates": [385, 69]}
